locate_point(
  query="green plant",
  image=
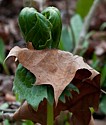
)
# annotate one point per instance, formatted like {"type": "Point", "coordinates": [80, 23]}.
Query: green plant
{"type": "Point", "coordinates": [2, 56]}
{"type": "Point", "coordinates": [83, 7]}
{"type": "Point", "coordinates": [43, 32]}
{"type": "Point", "coordinates": [53, 67]}
{"type": "Point", "coordinates": [49, 27]}
{"type": "Point", "coordinates": [70, 35]}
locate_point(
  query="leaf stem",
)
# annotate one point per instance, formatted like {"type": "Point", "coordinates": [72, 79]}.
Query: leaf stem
{"type": "Point", "coordinates": [50, 114]}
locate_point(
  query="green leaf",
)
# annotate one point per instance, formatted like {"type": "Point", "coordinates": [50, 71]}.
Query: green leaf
{"type": "Point", "coordinates": [103, 76]}
{"type": "Point", "coordinates": [67, 92]}
{"type": "Point", "coordinates": [35, 28]}
{"type": "Point", "coordinates": [103, 104]}
{"type": "Point", "coordinates": [53, 15]}
{"type": "Point", "coordinates": [2, 51]}
{"type": "Point", "coordinates": [42, 29]}
{"type": "Point", "coordinates": [6, 122]}
{"type": "Point", "coordinates": [26, 89]}
{"type": "Point", "coordinates": [83, 7]}
{"type": "Point", "coordinates": [95, 62]}
{"type": "Point", "coordinates": [72, 87]}
{"type": "Point", "coordinates": [64, 94]}
{"type": "Point", "coordinates": [76, 27]}
{"type": "Point", "coordinates": [27, 122]}
{"type": "Point", "coordinates": [66, 39]}
{"type": "Point", "coordinates": [4, 106]}
{"type": "Point", "coordinates": [103, 26]}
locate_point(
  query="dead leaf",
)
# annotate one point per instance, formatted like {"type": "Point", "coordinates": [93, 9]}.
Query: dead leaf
{"type": "Point", "coordinates": [79, 105]}
{"type": "Point", "coordinates": [59, 68]}
{"type": "Point", "coordinates": [10, 97]}
{"type": "Point", "coordinates": [53, 67]}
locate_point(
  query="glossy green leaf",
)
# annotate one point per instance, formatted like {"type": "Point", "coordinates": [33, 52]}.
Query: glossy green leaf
{"type": "Point", "coordinates": [53, 15]}
{"type": "Point", "coordinates": [35, 28]}
{"type": "Point", "coordinates": [2, 51]}
{"type": "Point", "coordinates": [26, 89]}
{"type": "Point", "coordinates": [83, 7]}
{"type": "Point", "coordinates": [76, 27]}
{"type": "Point", "coordinates": [42, 29]}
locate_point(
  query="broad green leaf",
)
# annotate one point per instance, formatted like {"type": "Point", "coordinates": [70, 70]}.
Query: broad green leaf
{"type": "Point", "coordinates": [83, 7]}
{"type": "Point", "coordinates": [66, 39]}
{"type": "Point", "coordinates": [35, 28]}
{"type": "Point", "coordinates": [76, 27]}
{"type": "Point", "coordinates": [103, 104]}
{"type": "Point", "coordinates": [25, 88]}
{"type": "Point", "coordinates": [2, 51]}
{"type": "Point", "coordinates": [53, 15]}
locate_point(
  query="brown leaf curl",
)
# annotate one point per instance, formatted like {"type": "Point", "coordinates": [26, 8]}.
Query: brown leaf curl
{"type": "Point", "coordinates": [53, 67]}
{"type": "Point", "coordinates": [59, 68]}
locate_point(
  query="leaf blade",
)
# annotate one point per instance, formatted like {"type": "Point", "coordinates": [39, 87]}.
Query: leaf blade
{"type": "Point", "coordinates": [23, 86]}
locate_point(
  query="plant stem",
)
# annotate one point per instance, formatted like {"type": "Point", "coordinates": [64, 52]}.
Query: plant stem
{"type": "Point", "coordinates": [6, 69]}
{"type": "Point", "coordinates": [50, 114]}
{"type": "Point", "coordinates": [103, 91]}
{"type": "Point", "coordinates": [85, 27]}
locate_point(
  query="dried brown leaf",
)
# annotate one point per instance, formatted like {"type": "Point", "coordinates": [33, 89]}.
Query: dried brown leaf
{"type": "Point", "coordinates": [53, 67]}
{"type": "Point", "coordinates": [79, 105]}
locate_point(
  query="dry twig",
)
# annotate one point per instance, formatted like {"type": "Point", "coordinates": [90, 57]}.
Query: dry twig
{"type": "Point", "coordinates": [85, 27]}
